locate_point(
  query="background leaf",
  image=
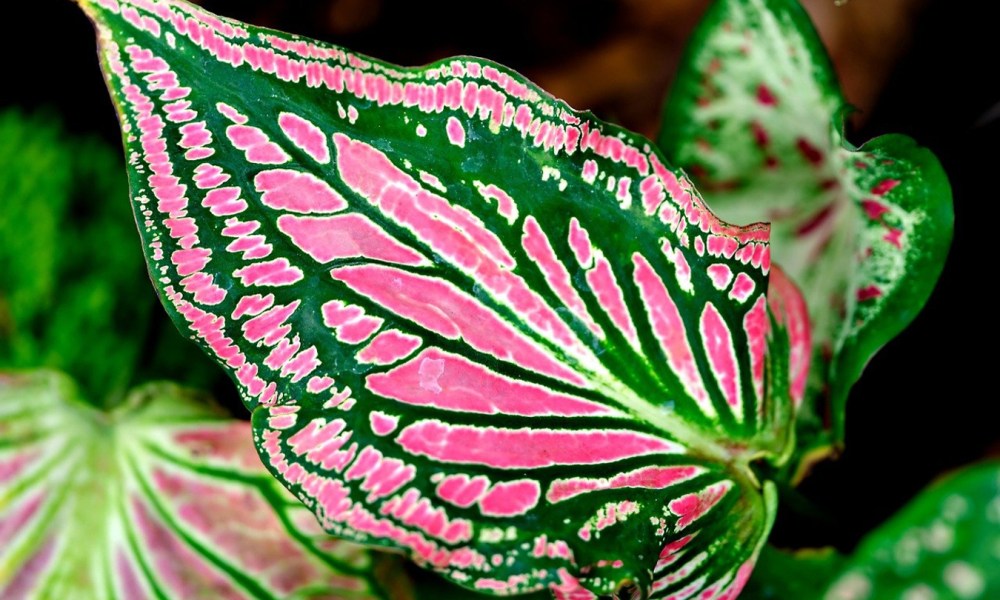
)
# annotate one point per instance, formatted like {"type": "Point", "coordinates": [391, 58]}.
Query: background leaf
{"type": "Point", "coordinates": [74, 293]}
{"type": "Point", "coordinates": [369, 248]}
{"type": "Point", "coordinates": [160, 498]}
{"type": "Point", "coordinates": [756, 117]}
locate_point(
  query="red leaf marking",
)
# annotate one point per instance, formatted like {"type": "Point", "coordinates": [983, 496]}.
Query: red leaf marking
{"type": "Point", "coordinates": [742, 287]}
{"type": "Point", "coordinates": [885, 186]}
{"type": "Point", "coordinates": [381, 423]}
{"type": "Point", "coordinates": [693, 506]}
{"type": "Point", "coordinates": [655, 478]}
{"type": "Point", "coordinates": [671, 552]}
{"type": "Point", "coordinates": [462, 385]}
{"type": "Point", "coordinates": [510, 499]}
{"type": "Point", "coordinates": [456, 133]}
{"type": "Point", "coordinates": [505, 204]}
{"type": "Point", "coordinates": [765, 96]}
{"type": "Point", "coordinates": [285, 189]}
{"type": "Point", "coordinates": [610, 296]}
{"type": "Point", "coordinates": [389, 347]}
{"type": "Point", "coordinates": [444, 309]}
{"type": "Point", "coordinates": [718, 342]}
{"type": "Point", "coordinates": [668, 327]}
{"type": "Point", "coordinates": [868, 292]}
{"type": "Point", "coordinates": [306, 136]}
{"type": "Point", "coordinates": [808, 151]}
{"type": "Point", "coordinates": [874, 209]}
{"type": "Point", "coordinates": [346, 236]}
{"type": "Point", "coordinates": [720, 274]}
{"type": "Point", "coordinates": [756, 326]}
{"type": "Point", "coordinates": [536, 245]}
{"type": "Point", "coordinates": [526, 448]}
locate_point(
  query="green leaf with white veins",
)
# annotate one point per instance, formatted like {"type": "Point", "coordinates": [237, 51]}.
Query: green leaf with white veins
{"type": "Point", "coordinates": [159, 498]}
{"type": "Point", "coordinates": [472, 324]}
{"type": "Point", "coordinates": [755, 116]}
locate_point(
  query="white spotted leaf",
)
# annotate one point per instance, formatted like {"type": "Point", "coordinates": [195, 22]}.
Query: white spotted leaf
{"type": "Point", "coordinates": [472, 324]}
{"type": "Point", "coordinates": [756, 117]}
{"type": "Point", "coordinates": [160, 497]}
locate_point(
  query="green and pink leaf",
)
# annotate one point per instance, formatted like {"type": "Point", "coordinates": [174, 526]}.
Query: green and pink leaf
{"type": "Point", "coordinates": [160, 498]}
{"type": "Point", "coordinates": [472, 324]}
{"type": "Point", "coordinates": [756, 117]}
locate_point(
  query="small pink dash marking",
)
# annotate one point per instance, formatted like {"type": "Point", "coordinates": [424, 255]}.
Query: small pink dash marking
{"type": "Point", "coordinates": [381, 423]}
{"type": "Point", "coordinates": [346, 236]}
{"type": "Point", "coordinates": [765, 96]}
{"type": "Point", "coordinates": [277, 272]}
{"type": "Point", "coordinates": [505, 204]}
{"type": "Point", "coordinates": [510, 499]}
{"type": "Point", "coordinates": [721, 275]}
{"type": "Point", "coordinates": [255, 144]}
{"type": "Point", "coordinates": [693, 506]}
{"type": "Point", "coordinates": [742, 287]}
{"type": "Point", "coordinates": [460, 490]}
{"type": "Point", "coordinates": [589, 173]}
{"type": "Point", "coordinates": [224, 201]}
{"type": "Point", "coordinates": [527, 448]}
{"type": "Point", "coordinates": [389, 347]}
{"type": "Point", "coordinates": [231, 113]}
{"type": "Point", "coordinates": [654, 478]}
{"type": "Point", "coordinates": [579, 243]}
{"type": "Point", "coordinates": [306, 136]}
{"type": "Point", "coordinates": [456, 133]}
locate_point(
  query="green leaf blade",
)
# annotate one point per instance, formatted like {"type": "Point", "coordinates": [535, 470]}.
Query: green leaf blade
{"type": "Point", "coordinates": [471, 323]}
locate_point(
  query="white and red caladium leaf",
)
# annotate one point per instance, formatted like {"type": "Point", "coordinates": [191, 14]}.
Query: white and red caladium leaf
{"type": "Point", "coordinates": [756, 117]}
{"type": "Point", "coordinates": [160, 497]}
{"type": "Point", "coordinates": [472, 324]}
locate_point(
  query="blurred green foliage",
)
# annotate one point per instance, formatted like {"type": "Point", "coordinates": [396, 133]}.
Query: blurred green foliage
{"type": "Point", "coordinates": [74, 293]}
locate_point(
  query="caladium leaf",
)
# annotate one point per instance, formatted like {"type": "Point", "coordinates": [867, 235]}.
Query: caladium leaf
{"type": "Point", "coordinates": [944, 544]}
{"type": "Point", "coordinates": [472, 324]}
{"type": "Point", "coordinates": [159, 498]}
{"type": "Point", "coordinates": [756, 117]}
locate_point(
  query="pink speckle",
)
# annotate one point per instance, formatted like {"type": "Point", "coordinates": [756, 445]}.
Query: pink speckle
{"type": "Point", "coordinates": [224, 201]}
{"type": "Point", "coordinates": [874, 209]}
{"type": "Point", "coordinates": [461, 490]}
{"type": "Point", "coordinates": [285, 189]}
{"type": "Point", "coordinates": [589, 173]}
{"type": "Point", "coordinates": [765, 97]}
{"type": "Point", "coordinates": [208, 176]}
{"type": "Point", "coordinates": [456, 133]}
{"type": "Point", "coordinates": [231, 113]}
{"type": "Point", "coordinates": [306, 136]}
{"type": "Point", "coordinates": [895, 237]}
{"type": "Point", "coordinates": [505, 204]}
{"type": "Point", "coordinates": [868, 293]}
{"type": "Point", "coordinates": [190, 261]}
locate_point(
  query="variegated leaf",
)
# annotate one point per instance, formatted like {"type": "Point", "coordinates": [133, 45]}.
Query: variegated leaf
{"type": "Point", "coordinates": [159, 498]}
{"type": "Point", "coordinates": [756, 117]}
{"type": "Point", "coordinates": [944, 544]}
{"type": "Point", "coordinates": [471, 323]}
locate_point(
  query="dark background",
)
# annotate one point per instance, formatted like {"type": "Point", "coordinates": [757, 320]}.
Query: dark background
{"type": "Point", "coordinates": [925, 404]}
